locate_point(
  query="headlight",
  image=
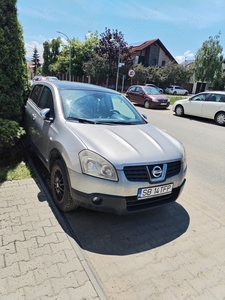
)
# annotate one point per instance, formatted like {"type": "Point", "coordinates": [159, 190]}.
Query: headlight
{"type": "Point", "coordinates": [154, 100]}
{"type": "Point", "coordinates": [95, 165]}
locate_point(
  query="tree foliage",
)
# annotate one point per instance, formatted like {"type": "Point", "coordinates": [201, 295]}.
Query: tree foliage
{"type": "Point", "coordinates": [96, 67]}
{"type": "Point", "coordinates": [35, 60]}
{"type": "Point", "coordinates": [81, 52]}
{"type": "Point", "coordinates": [110, 45]}
{"type": "Point", "coordinates": [13, 72]}
{"type": "Point", "coordinates": [50, 56]}
{"type": "Point", "coordinates": [208, 60]}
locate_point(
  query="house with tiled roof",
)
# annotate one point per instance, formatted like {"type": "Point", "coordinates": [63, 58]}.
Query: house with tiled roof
{"type": "Point", "coordinates": [151, 53]}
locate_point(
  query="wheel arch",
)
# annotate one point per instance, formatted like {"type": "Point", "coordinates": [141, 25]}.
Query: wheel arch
{"type": "Point", "coordinates": [216, 114]}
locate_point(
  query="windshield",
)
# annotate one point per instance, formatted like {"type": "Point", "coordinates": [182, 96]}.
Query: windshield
{"type": "Point", "coordinates": [151, 90]}
{"type": "Point", "coordinates": [98, 107]}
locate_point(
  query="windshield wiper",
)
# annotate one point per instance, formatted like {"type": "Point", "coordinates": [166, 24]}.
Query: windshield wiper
{"type": "Point", "coordinates": [81, 120]}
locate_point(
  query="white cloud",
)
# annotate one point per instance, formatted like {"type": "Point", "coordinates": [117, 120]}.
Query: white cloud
{"type": "Point", "coordinates": [188, 55]}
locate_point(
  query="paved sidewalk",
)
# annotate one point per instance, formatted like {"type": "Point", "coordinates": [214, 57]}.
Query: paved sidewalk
{"type": "Point", "coordinates": [38, 258]}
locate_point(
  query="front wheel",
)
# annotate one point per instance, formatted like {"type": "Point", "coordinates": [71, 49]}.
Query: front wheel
{"type": "Point", "coordinates": [147, 104]}
{"type": "Point", "coordinates": [179, 111]}
{"type": "Point", "coordinates": [220, 118]}
{"type": "Point", "coordinates": [60, 187]}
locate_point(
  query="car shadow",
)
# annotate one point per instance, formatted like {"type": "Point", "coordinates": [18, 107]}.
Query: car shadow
{"type": "Point", "coordinates": [110, 234]}
{"type": "Point", "coordinates": [198, 119]}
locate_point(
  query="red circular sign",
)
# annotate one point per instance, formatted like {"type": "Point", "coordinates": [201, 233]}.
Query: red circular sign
{"type": "Point", "coordinates": [131, 73]}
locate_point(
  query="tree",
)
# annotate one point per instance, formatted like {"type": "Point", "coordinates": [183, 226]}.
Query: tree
{"type": "Point", "coordinates": [109, 46]}
{"type": "Point", "coordinates": [96, 67]}
{"type": "Point", "coordinates": [35, 60]}
{"type": "Point", "coordinates": [13, 75]}
{"type": "Point", "coordinates": [80, 53]}
{"type": "Point", "coordinates": [208, 60]}
{"type": "Point", "coordinates": [50, 56]}
{"type": "Point", "coordinates": [141, 74]}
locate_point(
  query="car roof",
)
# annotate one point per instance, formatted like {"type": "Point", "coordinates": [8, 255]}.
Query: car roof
{"type": "Point", "coordinates": [62, 85]}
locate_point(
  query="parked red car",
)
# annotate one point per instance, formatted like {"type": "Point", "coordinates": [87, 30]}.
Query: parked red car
{"type": "Point", "coordinates": [148, 96]}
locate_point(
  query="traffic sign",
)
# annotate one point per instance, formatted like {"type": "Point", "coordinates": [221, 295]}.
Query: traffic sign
{"type": "Point", "coordinates": [131, 73]}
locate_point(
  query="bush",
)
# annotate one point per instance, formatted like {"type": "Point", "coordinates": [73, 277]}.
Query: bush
{"type": "Point", "coordinates": [10, 133]}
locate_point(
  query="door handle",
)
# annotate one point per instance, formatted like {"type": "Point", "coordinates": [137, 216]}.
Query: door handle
{"type": "Point", "coordinates": [33, 117]}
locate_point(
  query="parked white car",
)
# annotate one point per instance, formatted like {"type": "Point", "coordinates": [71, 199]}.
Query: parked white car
{"type": "Point", "coordinates": [210, 104]}
{"type": "Point", "coordinates": [176, 90]}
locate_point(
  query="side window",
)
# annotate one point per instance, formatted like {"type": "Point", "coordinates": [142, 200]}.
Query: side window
{"type": "Point", "coordinates": [200, 97]}
{"type": "Point", "coordinates": [46, 101]}
{"type": "Point", "coordinates": [34, 95]}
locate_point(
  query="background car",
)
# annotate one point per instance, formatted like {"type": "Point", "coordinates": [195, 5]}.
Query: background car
{"type": "Point", "coordinates": [210, 104]}
{"type": "Point", "coordinates": [148, 96]}
{"type": "Point", "coordinates": [38, 78]}
{"type": "Point", "coordinates": [176, 90]}
{"type": "Point", "coordinates": [51, 78]}
{"type": "Point", "coordinates": [155, 86]}
{"type": "Point", "coordinates": [102, 154]}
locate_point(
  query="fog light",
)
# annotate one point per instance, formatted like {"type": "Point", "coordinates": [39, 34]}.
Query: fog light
{"type": "Point", "coordinates": [97, 200]}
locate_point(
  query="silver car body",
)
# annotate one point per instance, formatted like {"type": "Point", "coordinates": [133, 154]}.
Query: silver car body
{"type": "Point", "coordinates": [136, 151]}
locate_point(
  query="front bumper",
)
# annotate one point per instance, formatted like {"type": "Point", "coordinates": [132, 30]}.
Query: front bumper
{"type": "Point", "coordinates": [123, 205]}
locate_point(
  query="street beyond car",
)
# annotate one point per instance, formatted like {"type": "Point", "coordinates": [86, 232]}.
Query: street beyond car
{"type": "Point", "coordinates": [210, 105]}
{"type": "Point", "coordinates": [148, 96]}
{"type": "Point", "coordinates": [102, 154]}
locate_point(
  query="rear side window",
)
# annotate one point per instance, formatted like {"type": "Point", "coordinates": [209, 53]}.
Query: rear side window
{"type": "Point", "coordinates": [35, 93]}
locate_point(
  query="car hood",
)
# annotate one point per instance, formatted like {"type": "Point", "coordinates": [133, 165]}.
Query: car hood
{"type": "Point", "coordinates": [128, 144]}
{"type": "Point", "coordinates": [158, 97]}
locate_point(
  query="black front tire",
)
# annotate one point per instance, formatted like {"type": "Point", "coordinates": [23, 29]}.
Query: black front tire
{"type": "Point", "coordinates": [147, 104]}
{"type": "Point", "coordinates": [60, 187]}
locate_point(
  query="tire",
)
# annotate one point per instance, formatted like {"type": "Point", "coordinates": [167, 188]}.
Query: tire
{"type": "Point", "coordinates": [174, 93]}
{"type": "Point", "coordinates": [220, 118]}
{"type": "Point", "coordinates": [179, 111]}
{"type": "Point", "coordinates": [186, 94]}
{"type": "Point", "coordinates": [60, 187]}
{"type": "Point", "coordinates": [147, 104]}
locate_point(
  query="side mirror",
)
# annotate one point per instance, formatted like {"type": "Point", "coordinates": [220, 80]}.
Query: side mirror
{"type": "Point", "coordinates": [44, 113]}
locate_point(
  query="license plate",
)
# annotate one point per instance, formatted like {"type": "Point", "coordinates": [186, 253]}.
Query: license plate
{"type": "Point", "coordinates": [163, 103]}
{"type": "Point", "coordinates": [155, 191]}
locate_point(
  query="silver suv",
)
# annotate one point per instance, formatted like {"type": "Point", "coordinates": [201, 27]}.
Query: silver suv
{"type": "Point", "coordinates": [101, 153]}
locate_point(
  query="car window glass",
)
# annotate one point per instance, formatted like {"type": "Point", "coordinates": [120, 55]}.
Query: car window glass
{"type": "Point", "coordinates": [138, 90]}
{"type": "Point", "coordinates": [222, 98]}
{"type": "Point", "coordinates": [46, 101]}
{"type": "Point", "coordinates": [199, 97]}
{"type": "Point", "coordinates": [132, 89]}
{"type": "Point", "coordinates": [122, 107]}
{"type": "Point", "coordinates": [151, 91]}
{"type": "Point", "coordinates": [35, 93]}
{"type": "Point", "coordinates": [214, 98]}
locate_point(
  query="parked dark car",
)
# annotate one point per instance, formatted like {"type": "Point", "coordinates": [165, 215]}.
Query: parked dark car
{"type": "Point", "coordinates": [148, 96]}
{"type": "Point", "coordinates": [101, 152]}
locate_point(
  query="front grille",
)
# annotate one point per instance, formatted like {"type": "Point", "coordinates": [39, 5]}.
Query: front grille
{"type": "Point", "coordinates": [140, 173]}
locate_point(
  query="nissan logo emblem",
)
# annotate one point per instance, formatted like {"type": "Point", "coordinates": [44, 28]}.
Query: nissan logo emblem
{"type": "Point", "coordinates": [157, 171]}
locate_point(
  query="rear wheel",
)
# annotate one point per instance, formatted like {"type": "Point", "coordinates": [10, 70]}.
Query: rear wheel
{"type": "Point", "coordinates": [147, 104]}
{"type": "Point", "coordinates": [60, 187]}
{"type": "Point", "coordinates": [220, 118]}
{"type": "Point", "coordinates": [179, 111]}
{"type": "Point", "coordinates": [174, 93]}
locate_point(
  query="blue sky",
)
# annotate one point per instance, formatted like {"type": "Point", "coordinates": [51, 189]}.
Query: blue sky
{"type": "Point", "coordinates": [181, 25]}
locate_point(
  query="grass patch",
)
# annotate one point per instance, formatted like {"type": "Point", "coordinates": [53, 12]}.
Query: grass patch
{"type": "Point", "coordinates": [14, 163]}
{"type": "Point", "coordinates": [173, 98]}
